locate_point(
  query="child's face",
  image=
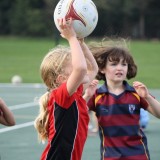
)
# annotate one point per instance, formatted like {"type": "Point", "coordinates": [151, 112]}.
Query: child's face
{"type": "Point", "coordinates": [115, 71]}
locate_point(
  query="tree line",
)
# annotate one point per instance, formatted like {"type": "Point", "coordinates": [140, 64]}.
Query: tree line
{"type": "Point", "coordinates": [133, 18]}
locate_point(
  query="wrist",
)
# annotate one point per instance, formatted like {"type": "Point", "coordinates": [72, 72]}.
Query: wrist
{"type": "Point", "coordinates": [72, 38]}
{"type": "Point", "coordinates": [147, 97]}
{"type": "Point", "coordinates": [83, 45]}
{"type": "Point", "coordinates": [87, 95]}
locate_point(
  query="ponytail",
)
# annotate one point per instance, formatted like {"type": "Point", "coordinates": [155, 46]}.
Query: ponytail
{"type": "Point", "coordinates": [41, 122]}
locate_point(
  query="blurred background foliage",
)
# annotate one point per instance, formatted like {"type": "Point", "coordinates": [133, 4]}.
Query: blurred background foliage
{"type": "Point", "coordinates": [27, 32]}
{"type": "Point", "coordinates": [138, 19]}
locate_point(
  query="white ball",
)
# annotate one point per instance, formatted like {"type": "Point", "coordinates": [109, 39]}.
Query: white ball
{"type": "Point", "coordinates": [16, 79]}
{"type": "Point", "coordinates": [83, 12]}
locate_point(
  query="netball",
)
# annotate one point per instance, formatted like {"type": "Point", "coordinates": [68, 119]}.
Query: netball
{"type": "Point", "coordinates": [83, 12]}
{"type": "Point", "coordinates": [16, 79]}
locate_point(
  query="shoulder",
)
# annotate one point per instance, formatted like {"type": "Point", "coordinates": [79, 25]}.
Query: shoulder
{"type": "Point", "coordinates": [102, 89]}
{"type": "Point", "coordinates": [61, 96]}
{"type": "Point", "coordinates": [128, 87]}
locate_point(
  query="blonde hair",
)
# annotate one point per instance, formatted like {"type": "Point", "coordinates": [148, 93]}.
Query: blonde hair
{"type": "Point", "coordinates": [41, 122]}
{"type": "Point", "coordinates": [52, 65]}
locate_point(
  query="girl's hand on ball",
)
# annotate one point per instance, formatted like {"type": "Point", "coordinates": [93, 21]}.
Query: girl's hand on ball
{"type": "Point", "coordinates": [66, 28]}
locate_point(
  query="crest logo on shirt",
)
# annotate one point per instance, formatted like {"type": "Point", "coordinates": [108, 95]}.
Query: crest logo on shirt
{"type": "Point", "coordinates": [131, 108]}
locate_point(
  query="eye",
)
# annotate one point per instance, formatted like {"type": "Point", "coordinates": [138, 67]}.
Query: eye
{"type": "Point", "coordinates": [113, 63]}
{"type": "Point", "coordinates": [124, 64]}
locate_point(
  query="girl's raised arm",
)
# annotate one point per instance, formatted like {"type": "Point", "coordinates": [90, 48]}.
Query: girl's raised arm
{"type": "Point", "coordinates": [79, 66]}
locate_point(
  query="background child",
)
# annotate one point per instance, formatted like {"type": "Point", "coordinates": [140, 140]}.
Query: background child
{"type": "Point", "coordinates": [6, 116]}
{"type": "Point", "coordinates": [144, 118]}
{"type": "Point", "coordinates": [63, 118]}
{"type": "Point", "coordinates": [117, 105]}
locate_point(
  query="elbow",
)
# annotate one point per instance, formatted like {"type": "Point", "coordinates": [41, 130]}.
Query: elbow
{"type": "Point", "coordinates": [95, 67]}
{"type": "Point", "coordinates": [96, 71]}
{"type": "Point", "coordinates": [93, 73]}
{"type": "Point", "coordinates": [82, 75]}
{"type": "Point", "coordinates": [81, 70]}
{"type": "Point", "coordinates": [157, 115]}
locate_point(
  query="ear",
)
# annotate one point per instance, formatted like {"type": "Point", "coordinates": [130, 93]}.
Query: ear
{"type": "Point", "coordinates": [60, 79]}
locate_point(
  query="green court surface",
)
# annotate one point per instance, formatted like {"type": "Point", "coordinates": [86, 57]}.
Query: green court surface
{"type": "Point", "coordinates": [20, 141]}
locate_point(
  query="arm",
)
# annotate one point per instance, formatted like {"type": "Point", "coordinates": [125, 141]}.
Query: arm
{"type": "Point", "coordinates": [6, 116]}
{"type": "Point", "coordinates": [79, 66]}
{"type": "Point", "coordinates": [94, 122]}
{"type": "Point", "coordinates": [92, 68]}
{"type": "Point", "coordinates": [90, 90]}
{"type": "Point", "coordinates": [153, 104]}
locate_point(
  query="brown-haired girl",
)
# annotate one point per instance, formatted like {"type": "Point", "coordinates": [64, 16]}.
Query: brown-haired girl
{"type": "Point", "coordinates": [117, 105]}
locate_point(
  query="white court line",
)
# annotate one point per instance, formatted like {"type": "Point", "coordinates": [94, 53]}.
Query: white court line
{"type": "Point", "coordinates": [20, 106]}
{"type": "Point", "coordinates": [6, 129]}
{"type": "Point", "coordinates": [22, 85]}
{"type": "Point", "coordinates": [25, 105]}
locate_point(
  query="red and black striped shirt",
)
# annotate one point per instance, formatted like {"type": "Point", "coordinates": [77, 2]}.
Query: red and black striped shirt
{"type": "Point", "coordinates": [118, 119]}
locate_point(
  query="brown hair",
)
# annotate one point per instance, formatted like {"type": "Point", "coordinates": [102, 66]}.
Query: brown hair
{"type": "Point", "coordinates": [113, 52]}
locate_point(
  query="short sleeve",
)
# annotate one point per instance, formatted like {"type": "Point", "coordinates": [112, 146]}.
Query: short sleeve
{"type": "Point", "coordinates": [144, 104]}
{"type": "Point", "coordinates": [62, 97]}
{"type": "Point", "coordinates": [91, 103]}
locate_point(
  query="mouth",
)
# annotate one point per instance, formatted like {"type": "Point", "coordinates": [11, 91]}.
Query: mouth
{"type": "Point", "coordinates": [119, 74]}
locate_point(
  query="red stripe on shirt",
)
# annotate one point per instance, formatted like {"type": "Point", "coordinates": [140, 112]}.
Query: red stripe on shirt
{"type": "Point", "coordinates": [122, 141]}
{"type": "Point", "coordinates": [118, 120]}
{"type": "Point", "coordinates": [137, 157]}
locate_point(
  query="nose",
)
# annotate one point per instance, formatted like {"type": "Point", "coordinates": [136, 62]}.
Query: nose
{"type": "Point", "coordinates": [119, 67]}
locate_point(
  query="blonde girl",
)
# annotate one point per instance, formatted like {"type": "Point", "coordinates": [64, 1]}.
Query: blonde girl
{"type": "Point", "coordinates": [63, 118]}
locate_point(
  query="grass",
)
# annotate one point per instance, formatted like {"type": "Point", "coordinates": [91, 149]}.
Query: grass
{"type": "Point", "coordinates": [147, 57]}
{"type": "Point", "coordinates": [19, 56]}
{"type": "Point", "coordinates": [23, 56]}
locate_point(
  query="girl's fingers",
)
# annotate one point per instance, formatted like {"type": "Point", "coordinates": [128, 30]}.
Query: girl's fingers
{"type": "Point", "coordinates": [64, 22]}
{"type": "Point", "coordinates": [94, 82]}
{"type": "Point", "coordinates": [68, 22]}
{"type": "Point", "coordinates": [137, 84]}
{"type": "Point", "coordinates": [60, 23]}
